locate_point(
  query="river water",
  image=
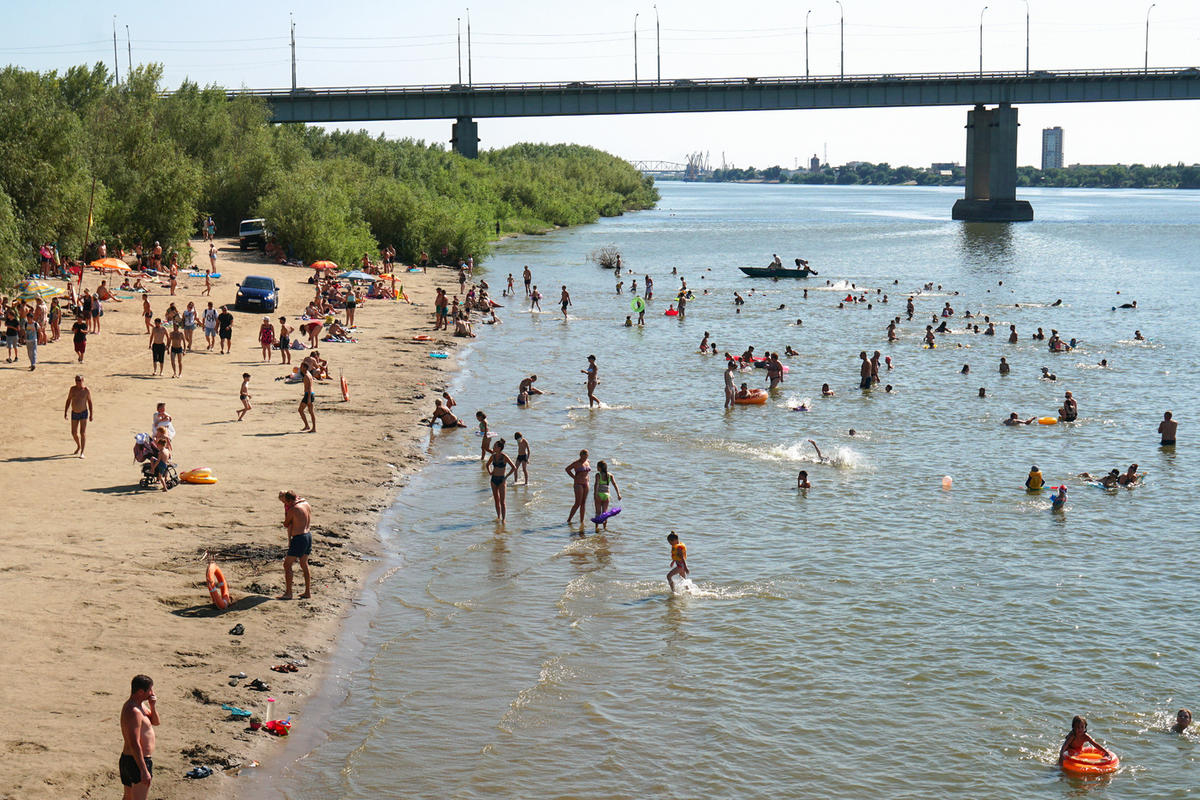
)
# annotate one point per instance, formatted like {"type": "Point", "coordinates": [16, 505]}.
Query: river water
{"type": "Point", "coordinates": [876, 635]}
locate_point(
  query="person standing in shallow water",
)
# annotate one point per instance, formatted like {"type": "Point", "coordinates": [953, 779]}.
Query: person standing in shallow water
{"type": "Point", "coordinates": [593, 374]}
{"type": "Point", "coordinates": [578, 470]}
{"type": "Point", "coordinates": [500, 467]}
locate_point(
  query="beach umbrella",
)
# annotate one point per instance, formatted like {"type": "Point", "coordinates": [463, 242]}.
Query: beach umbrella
{"type": "Point", "coordinates": [111, 263]}
{"type": "Point", "coordinates": [324, 265]}
{"type": "Point", "coordinates": [31, 290]}
{"type": "Point", "coordinates": [358, 275]}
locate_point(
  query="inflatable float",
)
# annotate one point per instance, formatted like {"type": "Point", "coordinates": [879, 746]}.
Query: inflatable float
{"type": "Point", "coordinates": [1047, 420]}
{"type": "Point", "coordinates": [670, 312]}
{"type": "Point", "coordinates": [1090, 761]}
{"type": "Point", "coordinates": [638, 305]}
{"type": "Point", "coordinates": [198, 476]}
{"type": "Point", "coordinates": [612, 512]}
{"type": "Point", "coordinates": [217, 589]}
{"type": "Point", "coordinates": [757, 397]}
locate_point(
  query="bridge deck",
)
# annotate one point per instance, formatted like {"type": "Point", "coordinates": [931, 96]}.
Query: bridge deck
{"type": "Point", "coordinates": [362, 103]}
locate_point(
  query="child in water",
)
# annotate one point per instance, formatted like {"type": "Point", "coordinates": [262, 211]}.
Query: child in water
{"type": "Point", "coordinates": [678, 560]}
{"type": "Point", "coordinates": [1182, 720]}
{"type": "Point", "coordinates": [1035, 481]}
{"type": "Point", "coordinates": [1059, 501]}
{"type": "Point", "coordinates": [1078, 739]}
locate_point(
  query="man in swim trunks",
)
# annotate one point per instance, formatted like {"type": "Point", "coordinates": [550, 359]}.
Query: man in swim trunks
{"type": "Point", "coordinates": [527, 276]}
{"type": "Point", "coordinates": [527, 388]}
{"type": "Point", "coordinates": [1078, 739]}
{"type": "Point", "coordinates": [175, 340]}
{"type": "Point", "coordinates": [564, 300]}
{"type": "Point", "coordinates": [79, 404]}
{"type": "Point", "coordinates": [1167, 429]}
{"type": "Point", "coordinates": [158, 346]}
{"type": "Point", "coordinates": [297, 514]}
{"type": "Point", "coordinates": [307, 399]}
{"type": "Point", "coordinates": [139, 715]}
{"type": "Point", "coordinates": [1014, 420]}
{"type": "Point", "coordinates": [678, 560]}
{"type": "Point", "coordinates": [864, 371]}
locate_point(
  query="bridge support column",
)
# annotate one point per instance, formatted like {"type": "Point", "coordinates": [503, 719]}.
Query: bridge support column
{"type": "Point", "coordinates": [464, 137]}
{"type": "Point", "coordinates": [991, 194]}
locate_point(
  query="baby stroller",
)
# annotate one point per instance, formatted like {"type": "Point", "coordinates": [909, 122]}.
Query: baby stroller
{"type": "Point", "coordinates": [144, 452]}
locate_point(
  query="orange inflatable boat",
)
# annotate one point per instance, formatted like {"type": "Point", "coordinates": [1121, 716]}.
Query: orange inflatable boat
{"type": "Point", "coordinates": [1090, 761]}
{"type": "Point", "coordinates": [757, 398]}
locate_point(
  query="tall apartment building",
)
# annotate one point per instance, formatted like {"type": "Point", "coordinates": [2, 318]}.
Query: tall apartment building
{"type": "Point", "coordinates": [1052, 148]}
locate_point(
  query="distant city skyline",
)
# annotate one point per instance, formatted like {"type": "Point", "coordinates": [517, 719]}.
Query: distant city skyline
{"type": "Point", "coordinates": [375, 43]}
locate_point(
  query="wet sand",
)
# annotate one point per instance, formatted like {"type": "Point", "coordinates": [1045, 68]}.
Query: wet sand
{"type": "Point", "coordinates": [103, 580]}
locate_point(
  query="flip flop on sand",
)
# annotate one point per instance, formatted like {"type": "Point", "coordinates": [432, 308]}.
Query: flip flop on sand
{"type": "Point", "coordinates": [199, 772]}
{"type": "Point", "coordinates": [235, 712]}
{"type": "Point", "coordinates": [258, 685]}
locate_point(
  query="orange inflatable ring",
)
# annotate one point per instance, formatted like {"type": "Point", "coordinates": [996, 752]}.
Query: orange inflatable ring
{"type": "Point", "coordinates": [420, 338]}
{"type": "Point", "coordinates": [345, 390]}
{"type": "Point", "coordinates": [757, 397]}
{"type": "Point", "coordinates": [1090, 761]}
{"type": "Point", "coordinates": [198, 472]}
{"type": "Point", "coordinates": [217, 588]}
{"type": "Point", "coordinates": [204, 479]}
{"type": "Point", "coordinates": [1047, 420]}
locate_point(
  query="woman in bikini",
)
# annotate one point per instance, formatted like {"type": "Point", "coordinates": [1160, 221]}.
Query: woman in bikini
{"type": "Point", "coordinates": [499, 466]}
{"type": "Point", "coordinates": [578, 470]}
{"type": "Point", "coordinates": [600, 490]}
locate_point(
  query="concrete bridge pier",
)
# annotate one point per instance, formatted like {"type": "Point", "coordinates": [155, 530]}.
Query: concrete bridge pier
{"type": "Point", "coordinates": [464, 137]}
{"type": "Point", "coordinates": [991, 194]}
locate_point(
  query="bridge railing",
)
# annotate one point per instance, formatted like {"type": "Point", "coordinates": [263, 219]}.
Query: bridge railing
{"type": "Point", "coordinates": [685, 83]}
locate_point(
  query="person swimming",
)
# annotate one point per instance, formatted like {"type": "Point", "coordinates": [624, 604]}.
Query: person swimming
{"type": "Point", "coordinates": [1182, 721]}
{"type": "Point", "coordinates": [1059, 501]}
{"type": "Point", "coordinates": [1078, 740]}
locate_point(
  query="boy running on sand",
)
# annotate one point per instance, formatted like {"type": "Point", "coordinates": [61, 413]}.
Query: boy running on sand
{"type": "Point", "coordinates": [244, 396]}
{"type": "Point", "coordinates": [678, 560]}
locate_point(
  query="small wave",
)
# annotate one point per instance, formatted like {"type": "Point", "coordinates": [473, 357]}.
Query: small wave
{"type": "Point", "coordinates": [794, 403]}
{"type": "Point", "coordinates": [603, 406]}
{"type": "Point", "coordinates": [802, 451]}
{"type": "Point", "coordinates": [552, 675]}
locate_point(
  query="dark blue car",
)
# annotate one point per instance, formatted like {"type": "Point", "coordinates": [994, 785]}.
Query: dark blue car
{"type": "Point", "coordinates": [256, 293]}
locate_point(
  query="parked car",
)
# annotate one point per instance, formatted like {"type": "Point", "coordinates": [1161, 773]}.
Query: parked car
{"type": "Point", "coordinates": [257, 293]}
{"type": "Point", "coordinates": [253, 232]}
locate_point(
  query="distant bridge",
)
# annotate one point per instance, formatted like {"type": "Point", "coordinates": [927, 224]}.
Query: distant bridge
{"type": "Point", "coordinates": [661, 168]}
{"type": "Point", "coordinates": [991, 133]}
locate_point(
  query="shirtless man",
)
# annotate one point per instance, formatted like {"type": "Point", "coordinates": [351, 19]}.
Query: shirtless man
{"type": "Point", "coordinates": [528, 277]}
{"type": "Point", "coordinates": [158, 346]}
{"type": "Point", "coordinates": [307, 399]}
{"type": "Point", "coordinates": [79, 404]}
{"type": "Point", "coordinates": [864, 371]}
{"type": "Point", "coordinates": [297, 515]}
{"type": "Point", "coordinates": [528, 389]}
{"type": "Point", "coordinates": [445, 416]}
{"type": "Point", "coordinates": [138, 718]}
{"type": "Point", "coordinates": [1014, 420]}
{"type": "Point", "coordinates": [522, 458]}
{"type": "Point", "coordinates": [593, 377]}
{"type": "Point", "coordinates": [175, 340]}
{"type": "Point", "coordinates": [1167, 429]}
{"type": "Point", "coordinates": [564, 300]}
{"type": "Point", "coordinates": [730, 368]}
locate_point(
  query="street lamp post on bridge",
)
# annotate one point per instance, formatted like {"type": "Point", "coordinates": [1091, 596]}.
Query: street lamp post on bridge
{"type": "Point", "coordinates": [635, 73]}
{"type": "Point", "coordinates": [842, 39]}
{"type": "Point", "coordinates": [1026, 37]}
{"type": "Point", "coordinates": [1146, 63]}
{"type": "Point", "coordinates": [658, 42]}
{"type": "Point", "coordinates": [985, 8]}
{"type": "Point", "coordinates": [806, 42]}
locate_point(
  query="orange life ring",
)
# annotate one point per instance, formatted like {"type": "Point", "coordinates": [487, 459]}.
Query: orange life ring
{"type": "Point", "coordinates": [757, 397]}
{"type": "Point", "coordinates": [1090, 761]}
{"type": "Point", "coordinates": [420, 338]}
{"type": "Point", "coordinates": [217, 589]}
{"type": "Point", "coordinates": [345, 389]}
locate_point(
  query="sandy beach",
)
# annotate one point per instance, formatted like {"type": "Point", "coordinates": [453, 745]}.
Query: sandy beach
{"type": "Point", "coordinates": [103, 580]}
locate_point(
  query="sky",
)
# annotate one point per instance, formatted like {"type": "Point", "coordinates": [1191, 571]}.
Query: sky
{"type": "Point", "coordinates": [350, 43]}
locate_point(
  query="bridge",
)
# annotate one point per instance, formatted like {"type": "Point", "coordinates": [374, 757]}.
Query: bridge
{"type": "Point", "coordinates": [991, 159]}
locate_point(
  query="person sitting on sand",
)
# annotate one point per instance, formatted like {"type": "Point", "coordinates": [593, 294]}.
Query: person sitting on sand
{"type": "Point", "coordinates": [1013, 419]}
{"type": "Point", "coordinates": [1182, 720]}
{"type": "Point", "coordinates": [443, 415]}
{"type": "Point", "coordinates": [1078, 740]}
